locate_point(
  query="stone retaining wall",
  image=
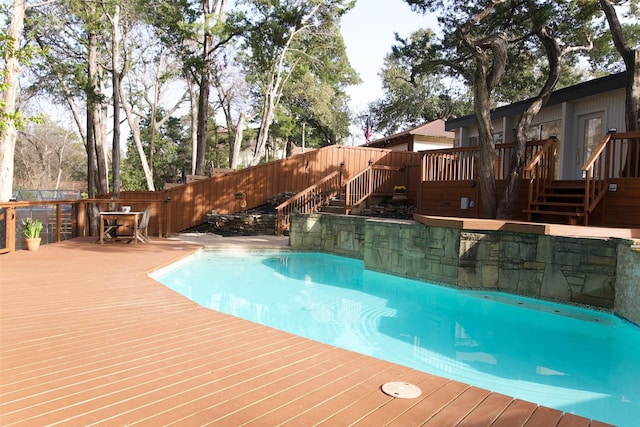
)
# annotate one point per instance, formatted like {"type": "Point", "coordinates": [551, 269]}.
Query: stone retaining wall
{"type": "Point", "coordinates": [599, 272]}
{"type": "Point", "coordinates": [241, 224]}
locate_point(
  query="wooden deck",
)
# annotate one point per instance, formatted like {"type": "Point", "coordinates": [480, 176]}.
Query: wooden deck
{"type": "Point", "coordinates": [87, 338]}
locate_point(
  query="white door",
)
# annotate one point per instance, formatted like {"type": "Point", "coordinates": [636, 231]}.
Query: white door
{"type": "Point", "coordinates": [590, 134]}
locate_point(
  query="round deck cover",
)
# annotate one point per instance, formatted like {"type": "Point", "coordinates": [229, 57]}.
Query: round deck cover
{"type": "Point", "coordinates": [401, 390]}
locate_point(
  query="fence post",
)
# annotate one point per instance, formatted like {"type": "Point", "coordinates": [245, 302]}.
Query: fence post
{"type": "Point", "coordinates": [167, 205]}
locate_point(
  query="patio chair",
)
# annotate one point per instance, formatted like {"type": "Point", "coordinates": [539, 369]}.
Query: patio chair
{"type": "Point", "coordinates": [110, 228]}
{"type": "Point", "coordinates": [142, 227]}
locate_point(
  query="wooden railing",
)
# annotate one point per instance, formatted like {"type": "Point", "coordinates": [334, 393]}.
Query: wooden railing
{"type": "Point", "coordinates": [186, 206]}
{"type": "Point", "coordinates": [540, 170]}
{"type": "Point", "coordinates": [309, 200]}
{"type": "Point", "coordinates": [459, 164]}
{"type": "Point", "coordinates": [374, 179]}
{"type": "Point", "coordinates": [617, 156]}
{"type": "Point", "coordinates": [63, 219]}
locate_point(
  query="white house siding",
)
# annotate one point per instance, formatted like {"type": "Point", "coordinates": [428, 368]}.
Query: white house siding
{"type": "Point", "coordinates": [609, 105]}
{"type": "Point", "coordinates": [399, 147]}
{"type": "Point", "coordinates": [422, 146]}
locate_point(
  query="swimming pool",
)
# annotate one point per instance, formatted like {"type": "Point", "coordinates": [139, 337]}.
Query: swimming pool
{"type": "Point", "coordinates": [576, 360]}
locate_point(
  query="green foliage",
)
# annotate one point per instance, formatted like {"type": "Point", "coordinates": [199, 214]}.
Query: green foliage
{"type": "Point", "coordinates": [171, 162]}
{"type": "Point", "coordinates": [24, 56]}
{"type": "Point", "coordinates": [32, 227]}
{"type": "Point", "coordinates": [316, 67]}
{"type": "Point", "coordinates": [570, 21]}
{"type": "Point", "coordinates": [411, 101]}
{"type": "Point", "coordinates": [603, 57]}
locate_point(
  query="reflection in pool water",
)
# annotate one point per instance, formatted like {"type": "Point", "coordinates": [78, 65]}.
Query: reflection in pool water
{"type": "Point", "coordinates": [580, 361]}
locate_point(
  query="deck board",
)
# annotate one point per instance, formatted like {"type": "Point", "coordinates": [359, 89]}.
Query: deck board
{"type": "Point", "coordinates": [87, 338]}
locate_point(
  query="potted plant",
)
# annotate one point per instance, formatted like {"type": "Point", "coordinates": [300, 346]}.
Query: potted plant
{"type": "Point", "coordinates": [399, 194]}
{"type": "Point", "coordinates": [31, 231]}
{"type": "Point", "coordinates": [399, 189]}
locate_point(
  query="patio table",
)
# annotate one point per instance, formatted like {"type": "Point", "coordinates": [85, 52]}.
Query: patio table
{"type": "Point", "coordinates": [132, 216]}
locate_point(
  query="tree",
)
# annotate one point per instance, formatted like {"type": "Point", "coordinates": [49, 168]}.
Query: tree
{"type": "Point", "coordinates": [10, 119]}
{"type": "Point", "coordinates": [75, 35]}
{"type": "Point", "coordinates": [47, 155]}
{"type": "Point", "coordinates": [478, 51]}
{"type": "Point", "coordinates": [631, 56]}
{"type": "Point", "coordinates": [171, 164]}
{"type": "Point", "coordinates": [411, 101]}
{"type": "Point", "coordinates": [570, 19]}
{"type": "Point", "coordinates": [479, 39]}
{"type": "Point", "coordinates": [285, 35]}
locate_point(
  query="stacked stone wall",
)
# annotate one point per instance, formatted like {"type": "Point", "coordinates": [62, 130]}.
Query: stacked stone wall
{"type": "Point", "coordinates": [598, 272]}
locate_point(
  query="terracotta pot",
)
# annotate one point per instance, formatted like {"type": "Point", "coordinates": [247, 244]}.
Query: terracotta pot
{"type": "Point", "coordinates": [33, 244]}
{"type": "Point", "coordinates": [399, 197]}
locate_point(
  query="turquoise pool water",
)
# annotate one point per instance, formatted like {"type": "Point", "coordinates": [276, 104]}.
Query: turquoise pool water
{"type": "Point", "coordinates": [580, 361]}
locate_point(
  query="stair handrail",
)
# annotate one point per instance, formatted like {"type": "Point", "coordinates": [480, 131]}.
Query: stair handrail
{"type": "Point", "coordinates": [605, 162]}
{"type": "Point", "coordinates": [596, 172]}
{"type": "Point", "coordinates": [540, 170]}
{"type": "Point", "coordinates": [367, 182]}
{"type": "Point", "coordinates": [309, 200]}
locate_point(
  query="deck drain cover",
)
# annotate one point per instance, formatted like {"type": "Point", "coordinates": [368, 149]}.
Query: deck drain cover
{"type": "Point", "coordinates": [401, 390]}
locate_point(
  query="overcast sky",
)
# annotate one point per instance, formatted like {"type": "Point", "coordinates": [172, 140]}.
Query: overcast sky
{"type": "Point", "coordinates": [368, 32]}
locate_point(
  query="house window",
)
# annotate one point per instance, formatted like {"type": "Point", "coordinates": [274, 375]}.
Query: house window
{"type": "Point", "coordinates": [592, 136]}
{"type": "Point", "coordinates": [543, 131]}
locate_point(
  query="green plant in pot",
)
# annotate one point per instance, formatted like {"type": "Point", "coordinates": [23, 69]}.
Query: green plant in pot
{"type": "Point", "coordinates": [32, 229]}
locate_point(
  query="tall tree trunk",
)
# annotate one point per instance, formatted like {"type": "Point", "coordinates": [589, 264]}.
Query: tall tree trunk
{"type": "Point", "coordinates": [154, 112]}
{"type": "Point", "coordinates": [486, 160]}
{"type": "Point", "coordinates": [490, 62]}
{"type": "Point", "coordinates": [99, 127]}
{"type": "Point", "coordinates": [554, 58]}
{"type": "Point", "coordinates": [512, 183]}
{"type": "Point", "coordinates": [92, 64]}
{"type": "Point", "coordinates": [116, 79]}
{"type": "Point", "coordinates": [203, 115]}
{"type": "Point", "coordinates": [9, 133]}
{"type": "Point", "coordinates": [193, 104]}
{"type": "Point", "coordinates": [234, 151]}
{"type": "Point", "coordinates": [631, 57]}
{"type": "Point", "coordinates": [132, 120]}
{"type": "Point", "coordinates": [268, 112]}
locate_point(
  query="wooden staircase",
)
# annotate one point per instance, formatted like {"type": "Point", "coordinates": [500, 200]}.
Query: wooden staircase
{"type": "Point", "coordinates": [337, 204]}
{"type": "Point", "coordinates": [561, 202]}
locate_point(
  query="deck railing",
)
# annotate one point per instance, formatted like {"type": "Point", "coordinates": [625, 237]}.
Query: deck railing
{"type": "Point", "coordinates": [459, 164]}
{"type": "Point", "coordinates": [617, 156]}
{"type": "Point", "coordinates": [309, 200]}
{"type": "Point", "coordinates": [373, 180]}
{"type": "Point", "coordinates": [540, 171]}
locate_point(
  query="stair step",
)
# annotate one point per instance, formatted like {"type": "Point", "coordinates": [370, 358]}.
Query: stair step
{"type": "Point", "coordinates": [567, 185]}
{"type": "Point", "coordinates": [558, 213]}
{"type": "Point", "coordinates": [571, 195]}
{"type": "Point", "coordinates": [332, 209]}
{"type": "Point", "coordinates": [566, 204]}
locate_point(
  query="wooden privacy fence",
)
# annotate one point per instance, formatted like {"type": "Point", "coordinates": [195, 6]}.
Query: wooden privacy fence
{"type": "Point", "coordinates": [186, 206]}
